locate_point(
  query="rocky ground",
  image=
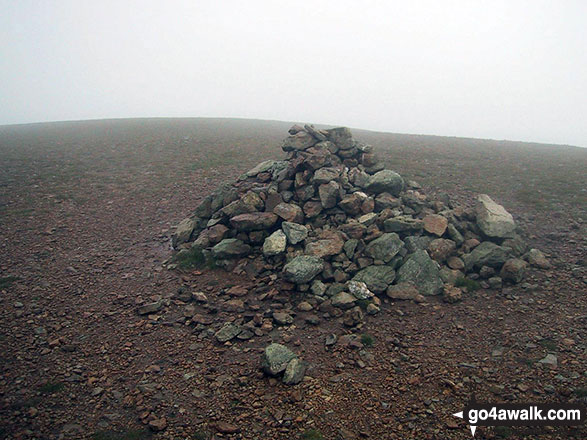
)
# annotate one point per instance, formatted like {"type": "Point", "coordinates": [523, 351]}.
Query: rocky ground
{"type": "Point", "coordinates": [88, 210]}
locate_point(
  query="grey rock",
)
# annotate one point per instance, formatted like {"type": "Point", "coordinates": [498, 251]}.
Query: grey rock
{"type": "Point", "coordinates": [230, 248]}
{"type": "Point", "coordinates": [294, 232]}
{"type": "Point", "coordinates": [275, 359]}
{"type": "Point", "coordinates": [302, 269]}
{"type": "Point", "coordinates": [421, 271]}
{"type": "Point", "coordinates": [486, 254]}
{"type": "Point", "coordinates": [275, 244]}
{"type": "Point", "coordinates": [329, 194]}
{"type": "Point", "coordinates": [325, 175]}
{"type": "Point", "coordinates": [343, 300]}
{"type": "Point", "coordinates": [493, 219]}
{"type": "Point", "coordinates": [183, 231]}
{"type": "Point", "coordinates": [402, 224]}
{"type": "Point", "coordinates": [377, 278]}
{"type": "Point", "coordinates": [359, 289]}
{"type": "Point", "coordinates": [386, 181]}
{"type": "Point", "coordinates": [150, 308]}
{"type": "Point", "coordinates": [385, 247]}
{"type": "Point", "coordinates": [299, 141]}
{"type": "Point", "coordinates": [227, 332]}
{"type": "Point", "coordinates": [294, 372]}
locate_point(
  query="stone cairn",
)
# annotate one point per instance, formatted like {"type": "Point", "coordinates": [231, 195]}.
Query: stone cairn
{"type": "Point", "coordinates": [332, 224]}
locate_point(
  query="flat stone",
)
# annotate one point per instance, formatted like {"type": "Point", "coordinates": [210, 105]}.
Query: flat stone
{"type": "Point", "coordinates": [493, 219]}
{"type": "Point", "coordinates": [302, 269]}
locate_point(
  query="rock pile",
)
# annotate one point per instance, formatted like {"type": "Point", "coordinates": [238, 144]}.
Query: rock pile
{"type": "Point", "coordinates": [331, 221]}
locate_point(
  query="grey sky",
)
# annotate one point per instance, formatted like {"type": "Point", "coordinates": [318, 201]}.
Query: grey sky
{"type": "Point", "coordinates": [487, 69]}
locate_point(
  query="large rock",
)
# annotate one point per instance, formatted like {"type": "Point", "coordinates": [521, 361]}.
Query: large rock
{"type": "Point", "coordinates": [183, 232]}
{"type": "Point", "coordinates": [263, 167]}
{"type": "Point", "coordinates": [513, 270]}
{"type": "Point", "coordinates": [377, 278]}
{"type": "Point", "coordinates": [329, 194]}
{"type": "Point", "coordinates": [275, 244]}
{"type": "Point", "coordinates": [328, 243]}
{"type": "Point", "coordinates": [275, 359]}
{"type": "Point", "coordinates": [294, 232]}
{"type": "Point", "coordinates": [325, 175]}
{"type": "Point", "coordinates": [404, 291]}
{"type": "Point", "coordinates": [230, 248]}
{"type": "Point", "coordinates": [402, 223]}
{"type": "Point", "coordinates": [493, 219]}
{"type": "Point", "coordinates": [435, 224]}
{"type": "Point", "coordinates": [227, 332]}
{"type": "Point", "coordinates": [254, 221]}
{"type": "Point", "coordinates": [440, 249]}
{"type": "Point", "coordinates": [486, 254]}
{"type": "Point", "coordinates": [385, 247]}
{"type": "Point", "coordinates": [342, 137]}
{"type": "Point", "coordinates": [290, 212]}
{"type": "Point", "coordinates": [386, 181]}
{"type": "Point", "coordinates": [421, 271]}
{"type": "Point", "coordinates": [294, 372]}
{"type": "Point", "coordinates": [343, 300]}
{"type": "Point", "coordinates": [302, 269]}
{"type": "Point", "coordinates": [299, 141]}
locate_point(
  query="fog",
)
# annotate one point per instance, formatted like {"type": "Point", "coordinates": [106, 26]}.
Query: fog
{"type": "Point", "coordinates": [502, 69]}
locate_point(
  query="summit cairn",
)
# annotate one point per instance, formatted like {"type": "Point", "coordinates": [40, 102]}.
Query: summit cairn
{"type": "Point", "coordinates": [332, 222]}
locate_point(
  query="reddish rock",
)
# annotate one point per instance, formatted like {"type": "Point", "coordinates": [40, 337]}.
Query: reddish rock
{"type": "Point", "coordinates": [435, 224]}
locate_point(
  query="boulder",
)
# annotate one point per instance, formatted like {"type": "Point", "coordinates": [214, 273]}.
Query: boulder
{"type": "Point", "coordinates": [299, 141]}
{"type": "Point", "coordinates": [385, 247]}
{"type": "Point", "coordinates": [402, 224]}
{"type": "Point", "coordinates": [329, 194]}
{"type": "Point", "coordinates": [230, 248]}
{"type": "Point", "coordinates": [386, 181]}
{"type": "Point", "coordinates": [377, 278]}
{"type": "Point", "coordinates": [290, 212]}
{"type": "Point", "coordinates": [493, 219]}
{"type": "Point", "coordinates": [486, 254]}
{"type": "Point", "coordinates": [294, 232]}
{"type": "Point", "coordinates": [435, 224]}
{"type": "Point", "coordinates": [254, 221]}
{"type": "Point", "coordinates": [343, 300]}
{"type": "Point", "coordinates": [327, 243]}
{"type": "Point", "coordinates": [275, 359]}
{"type": "Point", "coordinates": [405, 291]}
{"type": "Point", "coordinates": [325, 175]}
{"type": "Point", "coordinates": [513, 270]}
{"type": "Point", "coordinates": [421, 271]}
{"type": "Point", "coordinates": [302, 269]}
{"type": "Point", "coordinates": [294, 372]}
{"type": "Point", "coordinates": [183, 231]}
{"type": "Point", "coordinates": [275, 243]}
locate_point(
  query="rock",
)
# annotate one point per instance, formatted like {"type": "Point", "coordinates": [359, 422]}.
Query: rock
{"type": "Point", "coordinates": [440, 249]}
{"type": "Point", "coordinates": [312, 208]}
{"type": "Point", "coordinates": [302, 269]}
{"type": "Point", "coordinates": [263, 167]}
{"type": "Point", "coordinates": [513, 270]}
{"type": "Point", "coordinates": [329, 194]}
{"type": "Point", "coordinates": [353, 317]}
{"type": "Point", "coordinates": [372, 309]}
{"type": "Point", "coordinates": [305, 306]}
{"type": "Point", "coordinates": [486, 254]}
{"type": "Point", "coordinates": [341, 136]}
{"type": "Point", "coordinates": [289, 212]}
{"type": "Point", "coordinates": [227, 332]}
{"type": "Point", "coordinates": [282, 318]}
{"type": "Point", "coordinates": [452, 294]}
{"type": "Point", "coordinates": [455, 263]}
{"type": "Point", "coordinates": [199, 297]}
{"type": "Point", "coordinates": [455, 235]}
{"type": "Point", "coordinates": [414, 244]}
{"type": "Point", "coordinates": [402, 224]}
{"type": "Point", "coordinates": [421, 271]}
{"type": "Point", "coordinates": [326, 175]}
{"type": "Point", "coordinates": [359, 290]}
{"type": "Point", "coordinates": [385, 181]}
{"type": "Point", "coordinates": [276, 357]}
{"type": "Point", "coordinates": [299, 141]}
{"type": "Point", "coordinates": [387, 201]}
{"type": "Point", "coordinates": [226, 428]}
{"type": "Point", "coordinates": [493, 219]}
{"type": "Point", "coordinates": [327, 243]}
{"type": "Point", "coordinates": [294, 372]}
{"type": "Point", "coordinates": [150, 308]}
{"type": "Point", "coordinates": [351, 204]}
{"type": "Point", "coordinates": [385, 247]}
{"type": "Point", "coordinates": [217, 233]}
{"type": "Point", "coordinates": [550, 359]}
{"type": "Point", "coordinates": [405, 291]}
{"type": "Point", "coordinates": [377, 278]}
{"type": "Point", "coordinates": [294, 232]}
{"type": "Point", "coordinates": [275, 244]}
{"type": "Point", "coordinates": [435, 224]}
{"type": "Point", "coordinates": [343, 300]}
{"type": "Point", "coordinates": [158, 424]}
{"type": "Point", "coordinates": [254, 221]}
{"type": "Point", "coordinates": [318, 288]}
{"type": "Point", "coordinates": [183, 231]}
{"type": "Point", "coordinates": [230, 248]}
{"type": "Point", "coordinates": [537, 259]}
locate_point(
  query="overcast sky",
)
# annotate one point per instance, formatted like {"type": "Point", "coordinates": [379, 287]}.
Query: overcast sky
{"type": "Point", "coordinates": [488, 69]}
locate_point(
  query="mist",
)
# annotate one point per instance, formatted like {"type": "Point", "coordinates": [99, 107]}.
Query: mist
{"type": "Point", "coordinates": [501, 70]}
